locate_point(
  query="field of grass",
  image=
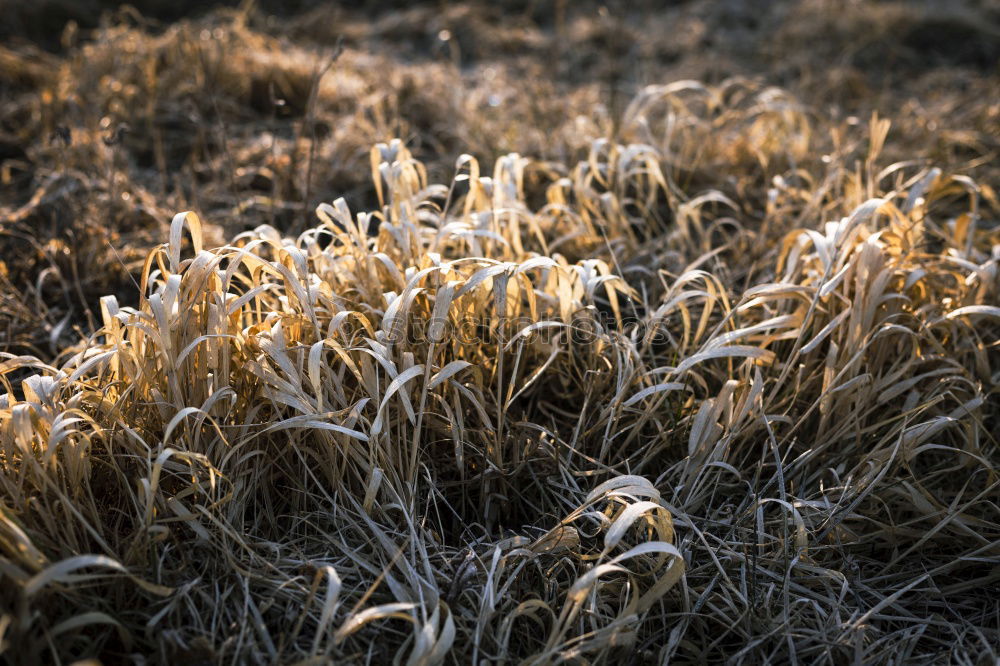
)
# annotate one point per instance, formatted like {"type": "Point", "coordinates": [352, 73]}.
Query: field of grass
{"type": "Point", "coordinates": [530, 331]}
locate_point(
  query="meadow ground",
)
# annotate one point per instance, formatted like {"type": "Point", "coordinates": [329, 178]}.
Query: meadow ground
{"type": "Point", "coordinates": [526, 331]}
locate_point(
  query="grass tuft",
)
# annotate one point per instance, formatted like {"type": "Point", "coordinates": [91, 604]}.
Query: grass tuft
{"type": "Point", "coordinates": [490, 430]}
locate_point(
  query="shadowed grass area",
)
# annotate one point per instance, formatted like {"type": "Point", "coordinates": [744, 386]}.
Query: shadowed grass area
{"type": "Point", "coordinates": [708, 373]}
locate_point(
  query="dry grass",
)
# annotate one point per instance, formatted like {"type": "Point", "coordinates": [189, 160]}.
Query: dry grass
{"type": "Point", "coordinates": [713, 379]}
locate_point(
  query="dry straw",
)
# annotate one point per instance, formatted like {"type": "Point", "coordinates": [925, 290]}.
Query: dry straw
{"type": "Point", "coordinates": [472, 436]}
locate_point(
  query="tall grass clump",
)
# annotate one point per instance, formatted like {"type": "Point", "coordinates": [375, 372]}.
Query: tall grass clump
{"type": "Point", "coordinates": [706, 394]}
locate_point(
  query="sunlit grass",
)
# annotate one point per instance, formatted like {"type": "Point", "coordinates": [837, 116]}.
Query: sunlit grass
{"type": "Point", "coordinates": [472, 434]}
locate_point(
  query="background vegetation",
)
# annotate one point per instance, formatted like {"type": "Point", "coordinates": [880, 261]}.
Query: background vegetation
{"type": "Point", "coordinates": [524, 331]}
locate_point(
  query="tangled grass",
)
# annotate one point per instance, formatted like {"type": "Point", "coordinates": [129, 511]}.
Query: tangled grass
{"type": "Point", "coordinates": [561, 413]}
